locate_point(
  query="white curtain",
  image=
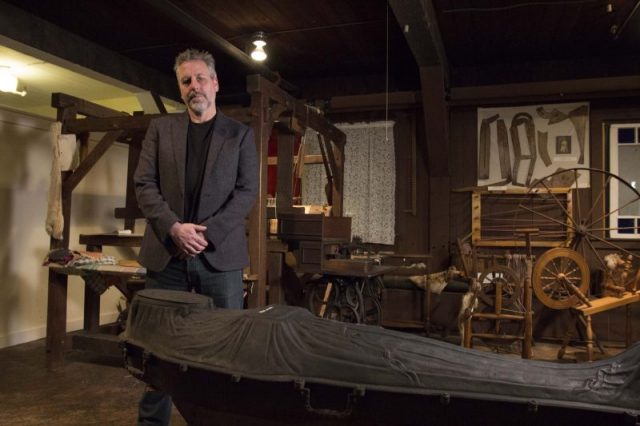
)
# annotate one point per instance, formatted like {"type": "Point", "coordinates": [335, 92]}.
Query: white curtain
{"type": "Point", "coordinates": [369, 179]}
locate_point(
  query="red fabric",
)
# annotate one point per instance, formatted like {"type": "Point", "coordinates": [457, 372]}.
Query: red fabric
{"type": "Point", "coordinates": [272, 171]}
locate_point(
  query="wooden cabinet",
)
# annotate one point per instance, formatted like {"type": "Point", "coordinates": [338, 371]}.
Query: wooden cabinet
{"type": "Point", "coordinates": [313, 237]}
{"type": "Point", "coordinates": [313, 227]}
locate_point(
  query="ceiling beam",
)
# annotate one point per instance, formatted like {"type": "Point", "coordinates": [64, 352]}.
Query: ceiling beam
{"type": "Point", "coordinates": [36, 37]}
{"type": "Point", "coordinates": [418, 22]}
{"type": "Point", "coordinates": [535, 91]}
{"type": "Point", "coordinates": [375, 101]}
{"type": "Point", "coordinates": [186, 20]}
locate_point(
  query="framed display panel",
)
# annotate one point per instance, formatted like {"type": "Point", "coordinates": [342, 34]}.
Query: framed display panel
{"type": "Point", "coordinates": [519, 145]}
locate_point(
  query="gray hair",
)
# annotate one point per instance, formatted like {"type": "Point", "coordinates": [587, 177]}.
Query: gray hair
{"type": "Point", "coordinates": [196, 55]}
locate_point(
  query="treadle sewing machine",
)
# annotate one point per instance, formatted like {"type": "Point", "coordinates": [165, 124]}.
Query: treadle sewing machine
{"type": "Point", "coordinates": [347, 290]}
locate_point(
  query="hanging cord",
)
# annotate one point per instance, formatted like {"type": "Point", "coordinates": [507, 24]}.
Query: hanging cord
{"type": "Point", "coordinates": [386, 81]}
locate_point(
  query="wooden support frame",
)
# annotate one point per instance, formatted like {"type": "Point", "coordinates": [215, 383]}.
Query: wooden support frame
{"type": "Point", "coordinates": [68, 108]}
{"type": "Point", "coordinates": [268, 103]}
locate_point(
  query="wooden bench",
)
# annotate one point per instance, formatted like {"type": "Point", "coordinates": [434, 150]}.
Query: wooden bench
{"type": "Point", "coordinates": [602, 304]}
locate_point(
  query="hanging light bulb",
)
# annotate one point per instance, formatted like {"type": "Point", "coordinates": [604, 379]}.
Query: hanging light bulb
{"type": "Point", "coordinates": [9, 82]}
{"type": "Point", "coordinates": [258, 53]}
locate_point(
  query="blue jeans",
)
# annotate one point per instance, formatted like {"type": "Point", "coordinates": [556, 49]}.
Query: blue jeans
{"type": "Point", "coordinates": [193, 274]}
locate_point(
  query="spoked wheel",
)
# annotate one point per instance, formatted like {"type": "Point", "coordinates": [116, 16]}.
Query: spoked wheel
{"type": "Point", "coordinates": [588, 222]}
{"type": "Point", "coordinates": [500, 294]}
{"type": "Point", "coordinates": [561, 278]}
{"type": "Point", "coordinates": [585, 222]}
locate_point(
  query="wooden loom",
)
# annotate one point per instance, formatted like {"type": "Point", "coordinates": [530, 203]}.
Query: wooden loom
{"type": "Point", "coordinates": [268, 104]}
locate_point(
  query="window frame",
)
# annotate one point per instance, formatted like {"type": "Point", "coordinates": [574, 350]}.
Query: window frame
{"type": "Point", "coordinates": [613, 165]}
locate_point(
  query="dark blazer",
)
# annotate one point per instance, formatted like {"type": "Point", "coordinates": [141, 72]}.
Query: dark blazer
{"type": "Point", "coordinates": [229, 189]}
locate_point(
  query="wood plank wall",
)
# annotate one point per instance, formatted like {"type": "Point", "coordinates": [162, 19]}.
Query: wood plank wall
{"type": "Point", "coordinates": [411, 201]}
{"type": "Point", "coordinates": [463, 163]}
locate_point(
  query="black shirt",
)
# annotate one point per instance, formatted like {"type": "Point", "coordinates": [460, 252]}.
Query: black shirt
{"type": "Point", "coordinates": [198, 141]}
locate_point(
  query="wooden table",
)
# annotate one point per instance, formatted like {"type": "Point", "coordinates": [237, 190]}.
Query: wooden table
{"type": "Point", "coordinates": [57, 337]}
{"type": "Point", "coordinates": [91, 337]}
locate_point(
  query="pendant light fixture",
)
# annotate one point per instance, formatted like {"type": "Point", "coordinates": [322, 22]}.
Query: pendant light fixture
{"type": "Point", "coordinates": [258, 53]}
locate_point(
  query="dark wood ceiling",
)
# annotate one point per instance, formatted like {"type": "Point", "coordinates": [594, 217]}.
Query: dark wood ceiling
{"type": "Point", "coordinates": [539, 40]}
{"type": "Point", "coordinates": [329, 47]}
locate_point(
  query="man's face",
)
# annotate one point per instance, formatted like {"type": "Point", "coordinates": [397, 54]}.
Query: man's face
{"type": "Point", "coordinates": [197, 88]}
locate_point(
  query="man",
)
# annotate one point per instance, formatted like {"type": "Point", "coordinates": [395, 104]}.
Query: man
{"type": "Point", "coordinates": [195, 183]}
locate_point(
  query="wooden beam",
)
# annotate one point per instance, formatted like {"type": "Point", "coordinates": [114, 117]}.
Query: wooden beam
{"type": "Point", "coordinates": [307, 117]}
{"type": "Point", "coordinates": [82, 107]}
{"type": "Point", "coordinates": [87, 164]}
{"type": "Point", "coordinates": [261, 125]}
{"type": "Point", "coordinates": [374, 101]}
{"type": "Point", "coordinates": [420, 27]}
{"type": "Point", "coordinates": [581, 89]}
{"type": "Point", "coordinates": [108, 124]}
{"type": "Point", "coordinates": [131, 201]}
{"type": "Point", "coordinates": [308, 159]}
{"type": "Point", "coordinates": [151, 103]}
{"type": "Point", "coordinates": [436, 119]}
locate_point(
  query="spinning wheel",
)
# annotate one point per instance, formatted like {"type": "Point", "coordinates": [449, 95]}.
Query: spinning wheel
{"type": "Point", "coordinates": [560, 278]}
{"type": "Point", "coordinates": [561, 275]}
{"type": "Point", "coordinates": [499, 304]}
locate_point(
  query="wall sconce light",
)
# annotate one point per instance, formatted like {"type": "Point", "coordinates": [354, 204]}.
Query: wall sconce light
{"type": "Point", "coordinates": [258, 53]}
{"type": "Point", "coordinates": [9, 82]}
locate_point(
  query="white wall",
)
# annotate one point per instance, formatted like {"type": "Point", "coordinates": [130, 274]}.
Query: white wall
{"type": "Point", "coordinates": [25, 165]}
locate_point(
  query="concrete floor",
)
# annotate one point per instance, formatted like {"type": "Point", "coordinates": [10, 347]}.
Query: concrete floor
{"type": "Point", "coordinates": [90, 390]}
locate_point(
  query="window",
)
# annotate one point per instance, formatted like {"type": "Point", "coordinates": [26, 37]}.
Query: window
{"type": "Point", "coordinates": [624, 161]}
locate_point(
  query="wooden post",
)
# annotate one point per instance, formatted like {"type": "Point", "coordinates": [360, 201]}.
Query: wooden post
{"type": "Point", "coordinates": [56, 339]}
{"type": "Point", "coordinates": [527, 342]}
{"type": "Point", "coordinates": [589, 338]}
{"type": "Point", "coordinates": [258, 216]}
{"type": "Point", "coordinates": [284, 196]}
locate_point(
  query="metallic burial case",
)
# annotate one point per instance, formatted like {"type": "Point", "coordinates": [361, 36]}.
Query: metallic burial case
{"type": "Point", "coordinates": [283, 365]}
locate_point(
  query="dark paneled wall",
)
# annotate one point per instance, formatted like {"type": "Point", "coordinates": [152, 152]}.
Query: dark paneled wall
{"type": "Point", "coordinates": [463, 166]}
